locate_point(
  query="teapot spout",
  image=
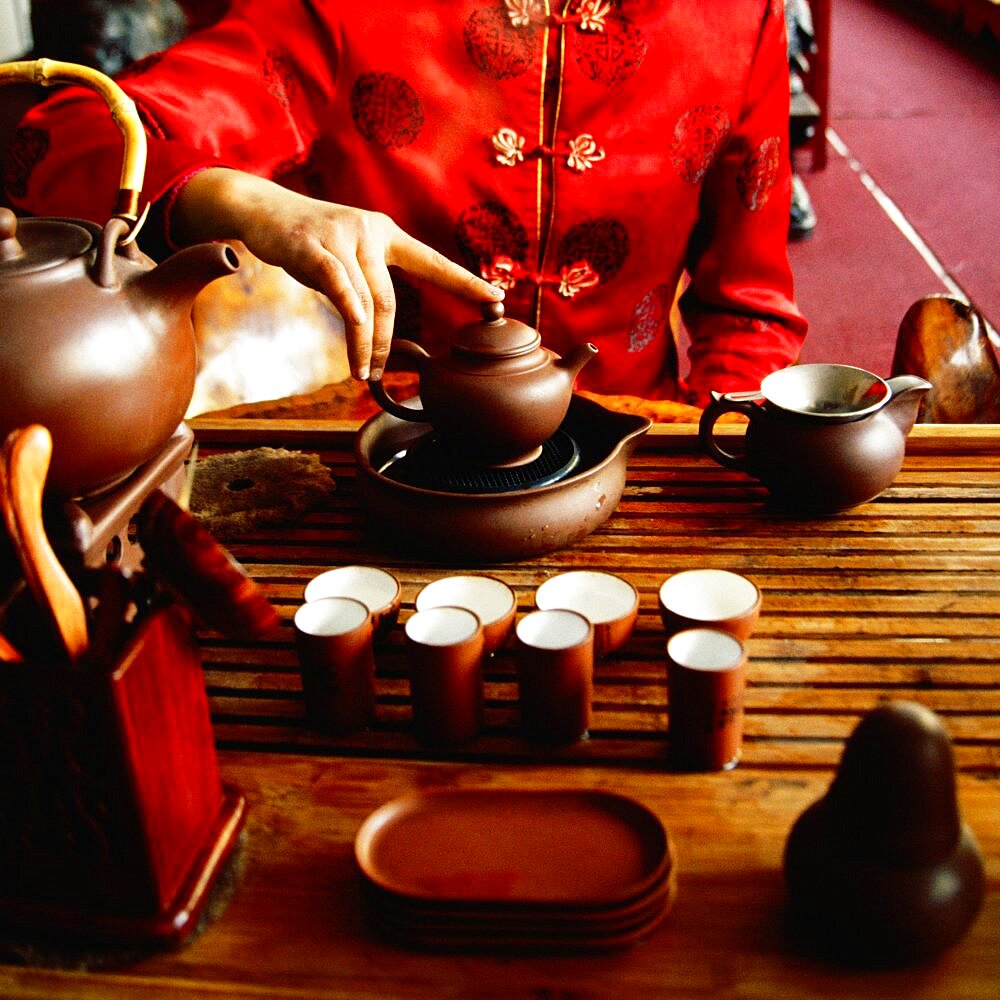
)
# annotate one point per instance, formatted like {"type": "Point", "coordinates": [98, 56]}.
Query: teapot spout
{"type": "Point", "coordinates": [576, 359]}
{"type": "Point", "coordinates": [174, 283]}
{"type": "Point", "coordinates": [907, 392]}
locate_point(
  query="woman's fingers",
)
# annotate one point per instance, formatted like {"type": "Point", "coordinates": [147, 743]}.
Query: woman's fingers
{"type": "Point", "coordinates": [420, 259]}
{"type": "Point", "coordinates": [383, 301]}
{"type": "Point", "coordinates": [338, 250]}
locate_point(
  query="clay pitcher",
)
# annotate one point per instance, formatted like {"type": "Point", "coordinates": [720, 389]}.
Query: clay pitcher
{"type": "Point", "coordinates": [96, 341]}
{"type": "Point", "coordinates": [821, 438]}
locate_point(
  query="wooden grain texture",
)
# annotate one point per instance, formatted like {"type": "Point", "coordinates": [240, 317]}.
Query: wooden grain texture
{"type": "Point", "coordinates": [296, 927]}
{"type": "Point", "coordinates": [897, 599]}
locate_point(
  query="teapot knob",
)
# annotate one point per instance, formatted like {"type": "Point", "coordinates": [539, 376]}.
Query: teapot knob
{"type": "Point", "coordinates": [492, 311]}
{"type": "Point", "coordinates": [10, 246]}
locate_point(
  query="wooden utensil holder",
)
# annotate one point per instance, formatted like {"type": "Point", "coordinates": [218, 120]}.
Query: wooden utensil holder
{"type": "Point", "coordinates": [114, 824]}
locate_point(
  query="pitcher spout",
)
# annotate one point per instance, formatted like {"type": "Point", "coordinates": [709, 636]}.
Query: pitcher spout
{"type": "Point", "coordinates": [577, 358]}
{"type": "Point", "coordinates": [174, 283]}
{"type": "Point", "coordinates": [904, 403]}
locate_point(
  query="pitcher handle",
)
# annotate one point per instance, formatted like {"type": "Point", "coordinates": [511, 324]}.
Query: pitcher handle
{"type": "Point", "coordinates": [378, 390]}
{"type": "Point", "coordinates": [730, 402]}
{"type": "Point", "coordinates": [47, 72]}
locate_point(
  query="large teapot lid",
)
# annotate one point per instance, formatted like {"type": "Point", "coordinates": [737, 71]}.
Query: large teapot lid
{"type": "Point", "coordinates": [37, 244]}
{"type": "Point", "coordinates": [497, 336]}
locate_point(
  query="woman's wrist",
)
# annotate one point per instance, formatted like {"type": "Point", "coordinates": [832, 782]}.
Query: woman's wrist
{"type": "Point", "coordinates": [204, 207]}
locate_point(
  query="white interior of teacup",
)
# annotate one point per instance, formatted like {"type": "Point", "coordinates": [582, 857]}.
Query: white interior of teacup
{"type": "Point", "coordinates": [553, 629]}
{"type": "Point", "coordinates": [708, 594]}
{"type": "Point", "coordinates": [823, 390]}
{"type": "Point", "coordinates": [599, 597]}
{"type": "Point", "coordinates": [377, 588]}
{"type": "Point", "coordinates": [331, 616]}
{"type": "Point", "coordinates": [444, 626]}
{"type": "Point", "coordinates": [491, 599]}
{"type": "Point", "coordinates": [705, 649]}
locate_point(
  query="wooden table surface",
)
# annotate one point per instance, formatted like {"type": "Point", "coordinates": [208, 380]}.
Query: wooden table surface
{"type": "Point", "coordinates": [897, 599]}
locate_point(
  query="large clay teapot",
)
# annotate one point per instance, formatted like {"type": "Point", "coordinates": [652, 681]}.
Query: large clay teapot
{"type": "Point", "coordinates": [495, 395]}
{"type": "Point", "coordinates": [96, 342]}
{"type": "Point", "coordinates": [821, 437]}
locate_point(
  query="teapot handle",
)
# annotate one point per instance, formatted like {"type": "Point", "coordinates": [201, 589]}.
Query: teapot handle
{"type": "Point", "coordinates": [386, 401]}
{"type": "Point", "coordinates": [47, 72]}
{"type": "Point", "coordinates": [730, 402]}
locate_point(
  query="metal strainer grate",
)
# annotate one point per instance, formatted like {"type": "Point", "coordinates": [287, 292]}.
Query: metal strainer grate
{"type": "Point", "coordinates": [429, 465]}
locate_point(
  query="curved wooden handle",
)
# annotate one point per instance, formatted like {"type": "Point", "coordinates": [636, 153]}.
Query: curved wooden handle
{"type": "Point", "coordinates": [47, 72]}
{"type": "Point", "coordinates": [26, 455]}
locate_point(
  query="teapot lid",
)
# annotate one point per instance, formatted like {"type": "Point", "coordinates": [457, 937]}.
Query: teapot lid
{"type": "Point", "coordinates": [496, 336]}
{"type": "Point", "coordinates": [28, 245]}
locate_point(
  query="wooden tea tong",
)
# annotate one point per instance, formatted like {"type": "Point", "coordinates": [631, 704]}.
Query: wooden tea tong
{"type": "Point", "coordinates": [27, 452]}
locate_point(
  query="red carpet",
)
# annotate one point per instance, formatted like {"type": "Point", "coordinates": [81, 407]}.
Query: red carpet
{"type": "Point", "coordinates": [920, 115]}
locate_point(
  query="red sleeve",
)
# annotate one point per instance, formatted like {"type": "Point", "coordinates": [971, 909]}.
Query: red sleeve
{"type": "Point", "coordinates": [246, 92]}
{"type": "Point", "coordinates": [739, 308]}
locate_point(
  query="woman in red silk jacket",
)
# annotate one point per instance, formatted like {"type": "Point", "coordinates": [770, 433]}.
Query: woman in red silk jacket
{"type": "Point", "coordinates": [584, 157]}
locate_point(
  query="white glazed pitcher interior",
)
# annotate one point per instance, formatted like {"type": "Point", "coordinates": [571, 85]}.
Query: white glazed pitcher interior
{"type": "Point", "coordinates": [822, 390]}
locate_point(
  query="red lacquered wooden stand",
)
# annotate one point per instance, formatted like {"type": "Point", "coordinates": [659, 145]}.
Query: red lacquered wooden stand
{"type": "Point", "coordinates": [114, 824]}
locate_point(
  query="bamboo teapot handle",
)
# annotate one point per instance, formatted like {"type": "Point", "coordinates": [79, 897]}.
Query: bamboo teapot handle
{"type": "Point", "coordinates": [47, 72]}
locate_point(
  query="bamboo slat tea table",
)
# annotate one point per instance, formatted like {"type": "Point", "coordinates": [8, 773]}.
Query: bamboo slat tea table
{"type": "Point", "coordinates": [899, 598]}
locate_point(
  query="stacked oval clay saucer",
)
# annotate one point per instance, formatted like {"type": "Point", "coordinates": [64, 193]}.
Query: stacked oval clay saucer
{"type": "Point", "coordinates": [522, 870]}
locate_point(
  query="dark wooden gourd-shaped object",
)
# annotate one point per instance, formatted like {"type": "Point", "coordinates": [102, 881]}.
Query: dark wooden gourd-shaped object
{"type": "Point", "coordinates": [881, 870]}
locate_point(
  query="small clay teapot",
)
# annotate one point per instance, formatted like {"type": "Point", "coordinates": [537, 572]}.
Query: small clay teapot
{"type": "Point", "coordinates": [881, 870]}
{"type": "Point", "coordinates": [821, 437]}
{"type": "Point", "coordinates": [495, 395]}
{"type": "Point", "coordinates": [96, 342]}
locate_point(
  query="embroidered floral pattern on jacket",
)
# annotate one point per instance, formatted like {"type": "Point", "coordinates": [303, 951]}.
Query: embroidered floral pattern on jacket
{"type": "Point", "coordinates": [521, 13]}
{"type": "Point", "coordinates": [488, 230]}
{"type": "Point", "coordinates": [496, 47]}
{"type": "Point", "coordinates": [509, 146]}
{"type": "Point", "coordinates": [758, 174]}
{"type": "Point", "coordinates": [612, 56]}
{"type": "Point", "coordinates": [698, 137]}
{"type": "Point", "coordinates": [27, 149]}
{"type": "Point", "coordinates": [602, 242]}
{"type": "Point", "coordinates": [651, 318]}
{"type": "Point", "coordinates": [583, 153]}
{"type": "Point", "coordinates": [583, 150]}
{"type": "Point", "coordinates": [386, 109]}
{"type": "Point", "coordinates": [593, 13]}
{"type": "Point", "coordinates": [505, 273]}
{"type": "Point", "coordinates": [575, 277]}
{"type": "Point", "coordinates": [589, 15]}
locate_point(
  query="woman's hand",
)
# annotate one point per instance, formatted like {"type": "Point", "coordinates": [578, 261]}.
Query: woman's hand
{"type": "Point", "coordinates": [340, 251]}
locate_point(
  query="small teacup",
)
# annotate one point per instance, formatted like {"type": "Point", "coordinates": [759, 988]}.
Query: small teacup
{"type": "Point", "coordinates": [706, 676]}
{"type": "Point", "coordinates": [333, 639]}
{"type": "Point", "coordinates": [709, 598]}
{"type": "Point", "coordinates": [608, 602]}
{"type": "Point", "coordinates": [491, 599]}
{"type": "Point", "coordinates": [445, 652]}
{"type": "Point", "coordinates": [376, 588]}
{"type": "Point", "coordinates": [555, 674]}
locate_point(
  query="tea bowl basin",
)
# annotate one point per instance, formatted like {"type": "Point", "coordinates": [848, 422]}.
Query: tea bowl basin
{"type": "Point", "coordinates": [480, 528]}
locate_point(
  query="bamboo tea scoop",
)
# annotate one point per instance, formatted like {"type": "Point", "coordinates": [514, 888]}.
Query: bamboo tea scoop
{"type": "Point", "coordinates": [27, 452]}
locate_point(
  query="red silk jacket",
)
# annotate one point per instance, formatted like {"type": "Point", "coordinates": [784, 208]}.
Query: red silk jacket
{"type": "Point", "coordinates": [583, 156]}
